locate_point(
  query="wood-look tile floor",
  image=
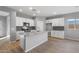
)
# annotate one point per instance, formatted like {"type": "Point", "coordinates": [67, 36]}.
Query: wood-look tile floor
{"type": "Point", "coordinates": [53, 45]}
{"type": "Point", "coordinates": [8, 47]}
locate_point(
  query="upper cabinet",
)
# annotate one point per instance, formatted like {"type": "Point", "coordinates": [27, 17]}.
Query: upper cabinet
{"type": "Point", "coordinates": [49, 21]}
{"type": "Point", "coordinates": [31, 21]}
{"type": "Point", "coordinates": [56, 21]}
{"type": "Point", "coordinates": [19, 21]}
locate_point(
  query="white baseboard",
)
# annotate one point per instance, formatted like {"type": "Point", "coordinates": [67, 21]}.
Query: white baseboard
{"type": "Point", "coordinates": [35, 46]}
{"type": "Point", "coordinates": [5, 37]}
{"type": "Point", "coordinates": [71, 39]}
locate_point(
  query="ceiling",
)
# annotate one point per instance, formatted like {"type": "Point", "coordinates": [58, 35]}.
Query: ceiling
{"type": "Point", "coordinates": [45, 11]}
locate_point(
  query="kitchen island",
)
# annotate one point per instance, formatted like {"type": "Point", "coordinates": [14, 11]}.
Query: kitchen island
{"type": "Point", "coordinates": [30, 40]}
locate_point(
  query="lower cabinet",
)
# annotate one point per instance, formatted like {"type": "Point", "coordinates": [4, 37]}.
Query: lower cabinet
{"type": "Point", "coordinates": [58, 34]}
{"type": "Point", "coordinates": [33, 40]}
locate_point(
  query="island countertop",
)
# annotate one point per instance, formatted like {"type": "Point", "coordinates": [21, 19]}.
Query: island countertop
{"type": "Point", "coordinates": [29, 33]}
{"type": "Point", "coordinates": [32, 39]}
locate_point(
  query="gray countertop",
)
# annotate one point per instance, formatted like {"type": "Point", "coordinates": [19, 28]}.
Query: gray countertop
{"type": "Point", "coordinates": [20, 33]}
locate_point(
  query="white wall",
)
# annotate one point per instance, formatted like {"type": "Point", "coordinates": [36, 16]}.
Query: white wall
{"type": "Point", "coordinates": [3, 26]}
{"type": "Point", "coordinates": [1, 29]}
{"type": "Point", "coordinates": [8, 25]}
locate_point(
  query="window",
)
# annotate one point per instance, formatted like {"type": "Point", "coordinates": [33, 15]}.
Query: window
{"type": "Point", "coordinates": [72, 24]}
{"type": "Point", "coordinates": [77, 24]}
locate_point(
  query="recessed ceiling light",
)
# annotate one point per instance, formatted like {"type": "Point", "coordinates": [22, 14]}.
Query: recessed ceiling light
{"type": "Point", "coordinates": [30, 8]}
{"type": "Point", "coordinates": [38, 11]}
{"type": "Point", "coordinates": [34, 14]}
{"type": "Point", "coordinates": [54, 13]}
{"type": "Point", "coordinates": [20, 10]}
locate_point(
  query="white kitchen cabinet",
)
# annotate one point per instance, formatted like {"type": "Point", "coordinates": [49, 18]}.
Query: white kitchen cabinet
{"type": "Point", "coordinates": [59, 34]}
{"type": "Point", "coordinates": [49, 21]}
{"type": "Point", "coordinates": [20, 20]}
{"type": "Point", "coordinates": [58, 22]}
